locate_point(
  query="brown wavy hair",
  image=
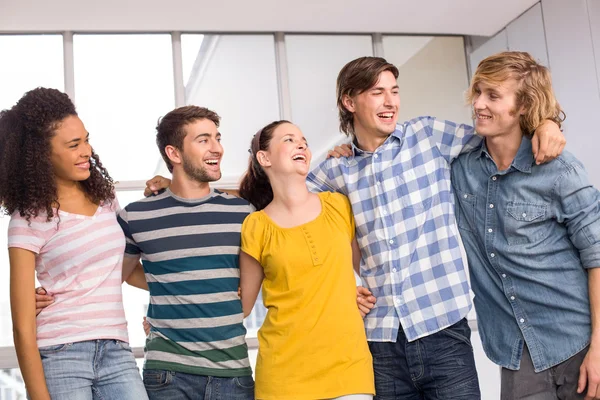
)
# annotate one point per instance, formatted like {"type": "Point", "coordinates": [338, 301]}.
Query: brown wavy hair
{"type": "Point", "coordinates": [534, 91]}
{"type": "Point", "coordinates": [255, 186]}
{"type": "Point", "coordinates": [354, 78]}
{"type": "Point", "coordinates": [27, 182]}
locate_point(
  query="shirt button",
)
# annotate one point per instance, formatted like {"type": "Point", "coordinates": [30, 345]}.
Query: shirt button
{"type": "Point", "coordinates": [378, 182]}
{"type": "Point", "coordinates": [491, 206]}
{"type": "Point", "coordinates": [504, 275]}
{"type": "Point", "coordinates": [394, 270]}
{"type": "Point", "coordinates": [524, 215]}
{"type": "Point", "coordinates": [492, 255]}
{"type": "Point", "coordinates": [512, 297]}
{"type": "Point", "coordinates": [391, 242]}
{"type": "Point", "coordinates": [465, 196]}
{"type": "Point", "coordinates": [494, 178]}
{"type": "Point", "coordinates": [375, 155]}
{"type": "Point", "coordinates": [522, 320]}
{"type": "Point", "coordinates": [490, 230]}
{"type": "Point", "coordinates": [397, 300]}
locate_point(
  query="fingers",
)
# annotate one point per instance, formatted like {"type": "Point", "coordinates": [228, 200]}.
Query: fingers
{"type": "Point", "coordinates": [543, 150]}
{"type": "Point", "coordinates": [582, 379]}
{"type": "Point", "coordinates": [333, 153]}
{"type": "Point", "coordinates": [42, 300]}
{"type": "Point", "coordinates": [152, 185]}
{"type": "Point", "coordinates": [363, 291]}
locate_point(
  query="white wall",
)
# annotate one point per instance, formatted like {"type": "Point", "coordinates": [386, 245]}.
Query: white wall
{"type": "Point", "coordinates": [391, 16]}
{"type": "Point", "coordinates": [565, 36]}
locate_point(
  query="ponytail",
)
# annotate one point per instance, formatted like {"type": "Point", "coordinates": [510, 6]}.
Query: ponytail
{"type": "Point", "coordinates": [255, 186]}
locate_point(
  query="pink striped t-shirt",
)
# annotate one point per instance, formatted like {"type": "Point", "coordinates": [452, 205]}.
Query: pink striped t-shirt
{"type": "Point", "coordinates": [79, 264]}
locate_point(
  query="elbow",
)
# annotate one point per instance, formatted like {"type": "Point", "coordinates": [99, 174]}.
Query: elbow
{"type": "Point", "coordinates": [23, 333]}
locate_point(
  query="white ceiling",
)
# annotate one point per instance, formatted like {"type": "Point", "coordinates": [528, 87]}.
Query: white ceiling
{"type": "Point", "coordinates": [462, 17]}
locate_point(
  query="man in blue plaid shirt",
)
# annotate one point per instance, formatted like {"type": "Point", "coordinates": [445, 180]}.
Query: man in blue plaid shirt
{"type": "Point", "coordinates": [397, 178]}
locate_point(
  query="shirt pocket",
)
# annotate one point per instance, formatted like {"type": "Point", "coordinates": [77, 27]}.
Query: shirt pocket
{"type": "Point", "coordinates": [413, 188]}
{"type": "Point", "coordinates": [465, 210]}
{"type": "Point", "coordinates": [525, 223]}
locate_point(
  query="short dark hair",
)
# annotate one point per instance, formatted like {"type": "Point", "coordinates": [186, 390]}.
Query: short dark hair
{"type": "Point", "coordinates": [356, 77]}
{"type": "Point", "coordinates": [170, 129]}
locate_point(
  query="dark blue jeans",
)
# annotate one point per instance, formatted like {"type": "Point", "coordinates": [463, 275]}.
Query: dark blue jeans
{"type": "Point", "coordinates": [440, 366]}
{"type": "Point", "coordinates": [169, 385]}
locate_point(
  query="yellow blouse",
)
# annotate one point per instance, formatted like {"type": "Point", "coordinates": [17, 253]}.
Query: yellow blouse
{"type": "Point", "coordinates": [312, 344]}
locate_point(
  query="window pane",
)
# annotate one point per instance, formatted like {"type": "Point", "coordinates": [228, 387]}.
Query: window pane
{"type": "Point", "coordinates": [123, 84]}
{"type": "Point", "coordinates": [235, 76]}
{"type": "Point", "coordinates": [12, 386]}
{"type": "Point", "coordinates": [433, 76]}
{"type": "Point", "coordinates": [29, 61]}
{"type": "Point", "coordinates": [314, 62]}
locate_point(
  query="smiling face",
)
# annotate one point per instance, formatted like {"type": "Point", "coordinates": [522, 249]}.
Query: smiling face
{"type": "Point", "coordinates": [495, 108]}
{"type": "Point", "coordinates": [287, 154]}
{"type": "Point", "coordinates": [71, 151]}
{"type": "Point", "coordinates": [376, 109]}
{"type": "Point", "coordinates": [202, 152]}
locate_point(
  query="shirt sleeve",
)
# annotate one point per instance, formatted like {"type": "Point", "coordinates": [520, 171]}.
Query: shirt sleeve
{"type": "Point", "coordinates": [253, 236]}
{"type": "Point", "coordinates": [343, 206]}
{"type": "Point", "coordinates": [131, 247]}
{"type": "Point", "coordinates": [579, 211]}
{"type": "Point", "coordinates": [25, 235]}
{"type": "Point", "coordinates": [451, 139]}
{"type": "Point", "coordinates": [325, 177]}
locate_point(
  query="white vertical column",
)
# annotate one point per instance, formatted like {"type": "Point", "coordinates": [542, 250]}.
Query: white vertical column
{"type": "Point", "coordinates": [69, 65]}
{"type": "Point", "coordinates": [283, 78]}
{"type": "Point", "coordinates": [377, 39]}
{"type": "Point", "coordinates": [178, 69]}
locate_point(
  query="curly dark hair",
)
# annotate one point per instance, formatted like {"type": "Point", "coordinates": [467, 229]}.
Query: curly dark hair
{"type": "Point", "coordinates": [27, 182]}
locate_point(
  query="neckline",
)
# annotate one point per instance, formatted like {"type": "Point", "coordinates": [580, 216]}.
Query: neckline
{"type": "Point", "coordinates": [301, 225]}
{"type": "Point", "coordinates": [81, 216]}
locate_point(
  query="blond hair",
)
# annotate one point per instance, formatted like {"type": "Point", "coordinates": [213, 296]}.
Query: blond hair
{"type": "Point", "coordinates": [534, 90]}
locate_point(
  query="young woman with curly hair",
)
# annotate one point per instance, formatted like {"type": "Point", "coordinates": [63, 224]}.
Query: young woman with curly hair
{"type": "Point", "coordinates": [63, 228]}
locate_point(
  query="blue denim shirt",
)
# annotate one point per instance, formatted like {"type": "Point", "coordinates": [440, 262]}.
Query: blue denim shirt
{"type": "Point", "coordinates": [530, 233]}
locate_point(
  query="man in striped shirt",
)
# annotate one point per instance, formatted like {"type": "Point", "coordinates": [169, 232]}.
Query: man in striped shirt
{"type": "Point", "coordinates": [397, 178]}
{"type": "Point", "coordinates": [188, 238]}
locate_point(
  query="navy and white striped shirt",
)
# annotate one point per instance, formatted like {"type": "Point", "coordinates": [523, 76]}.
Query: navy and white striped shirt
{"type": "Point", "coordinates": [190, 249]}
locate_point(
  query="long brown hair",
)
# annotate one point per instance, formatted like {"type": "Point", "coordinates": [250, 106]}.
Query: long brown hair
{"type": "Point", "coordinates": [255, 186]}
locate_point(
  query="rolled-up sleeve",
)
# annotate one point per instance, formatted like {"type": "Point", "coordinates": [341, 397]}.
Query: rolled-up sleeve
{"type": "Point", "coordinates": [579, 210]}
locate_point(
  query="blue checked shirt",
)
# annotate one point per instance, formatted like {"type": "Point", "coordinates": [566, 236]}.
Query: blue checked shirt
{"type": "Point", "coordinates": [403, 204]}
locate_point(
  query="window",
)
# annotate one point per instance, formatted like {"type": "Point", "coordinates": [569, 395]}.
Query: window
{"type": "Point", "coordinates": [235, 76]}
{"type": "Point", "coordinates": [29, 61]}
{"type": "Point", "coordinates": [123, 84]}
{"type": "Point", "coordinates": [433, 76]}
{"type": "Point", "coordinates": [314, 62]}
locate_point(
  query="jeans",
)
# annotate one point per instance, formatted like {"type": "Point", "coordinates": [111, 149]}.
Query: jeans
{"type": "Point", "coordinates": [440, 366]}
{"type": "Point", "coordinates": [555, 383]}
{"type": "Point", "coordinates": [92, 370]}
{"type": "Point", "coordinates": [170, 385]}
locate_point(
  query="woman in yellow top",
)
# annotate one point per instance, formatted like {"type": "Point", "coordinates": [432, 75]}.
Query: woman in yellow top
{"type": "Point", "coordinates": [312, 344]}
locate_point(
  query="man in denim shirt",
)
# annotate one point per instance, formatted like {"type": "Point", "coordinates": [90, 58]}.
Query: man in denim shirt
{"type": "Point", "coordinates": [532, 236]}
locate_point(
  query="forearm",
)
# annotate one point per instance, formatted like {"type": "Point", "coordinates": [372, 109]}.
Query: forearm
{"type": "Point", "coordinates": [137, 278]}
{"type": "Point", "coordinates": [594, 293]}
{"type": "Point", "coordinates": [30, 363]}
